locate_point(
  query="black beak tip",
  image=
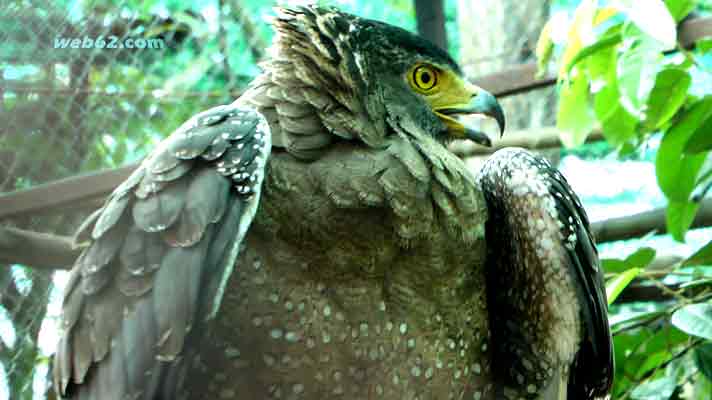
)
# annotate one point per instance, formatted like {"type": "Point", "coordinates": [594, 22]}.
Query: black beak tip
{"type": "Point", "coordinates": [478, 137]}
{"type": "Point", "coordinates": [499, 117]}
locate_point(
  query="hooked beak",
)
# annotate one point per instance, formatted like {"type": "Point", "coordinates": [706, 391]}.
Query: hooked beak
{"type": "Point", "coordinates": [473, 100]}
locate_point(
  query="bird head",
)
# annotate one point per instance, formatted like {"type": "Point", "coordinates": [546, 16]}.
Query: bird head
{"type": "Point", "coordinates": [396, 80]}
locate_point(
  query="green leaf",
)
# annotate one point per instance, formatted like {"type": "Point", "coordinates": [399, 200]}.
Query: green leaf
{"type": "Point", "coordinates": [680, 8]}
{"type": "Point", "coordinates": [641, 258]}
{"type": "Point", "coordinates": [701, 140]}
{"type": "Point", "coordinates": [653, 361]}
{"type": "Point", "coordinates": [666, 337]}
{"type": "Point", "coordinates": [676, 171]}
{"type": "Point", "coordinates": [703, 359]}
{"type": "Point", "coordinates": [704, 45]}
{"type": "Point", "coordinates": [616, 285]}
{"type": "Point", "coordinates": [653, 18]}
{"type": "Point", "coordinates": [604, 43]}
{"type": "Point", "coordinates": [626, 346]}
{"type": "Point", "coordinates": [632, 317]}
{"type": "Point", "coordinates": [679, 217]}
{"type": "Point", "coordinates": [703, 256]}
{"type": "Point", "coordinates": [574, 118]}
{"type": "Point", "coordinates": [613, 265]}
{"type": "Point", "coordinates": [637, 68]}
{"type": "Point", "coordinates": [667, 96]}
{"type": "Point", "coordinates": [618, 125]}
{"type": "Point", "coordinates": [658, 389]}
{"type": "Point", "coordinates": [604, 82]}
{"type": "Point", "coordinates": [695, 320]}
{"type": "Point", "coordinates": [601, 68]}
{"type": "Point", "coordinates": [628, 149]}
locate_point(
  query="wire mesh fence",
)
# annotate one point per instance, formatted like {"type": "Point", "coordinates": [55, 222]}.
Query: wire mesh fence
{"type": "Point", "coordinates": [93, 85]}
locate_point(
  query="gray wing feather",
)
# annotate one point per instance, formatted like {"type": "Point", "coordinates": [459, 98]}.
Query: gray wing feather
{"type": "Point", "coordinates": [112, 211]}
{"type": "Point", "coordinates": [160, 248]}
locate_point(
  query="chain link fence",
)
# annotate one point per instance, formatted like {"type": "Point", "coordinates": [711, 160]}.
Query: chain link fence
{"type": "Point", "coordinates": [86, 86]}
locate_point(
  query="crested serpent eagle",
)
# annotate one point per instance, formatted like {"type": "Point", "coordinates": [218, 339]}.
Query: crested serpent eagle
{"type": "Point", "coordinates": [316, 239]}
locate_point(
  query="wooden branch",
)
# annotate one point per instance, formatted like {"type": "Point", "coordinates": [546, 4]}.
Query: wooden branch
{"type": "Point", "coordinates": [637, 293]}
{"type": "Point", "coordinates": [694, 29]}
{"type": "Point", "coordinates": [514, 80]}
{"type": "Point", "coordinates": [664, 263]}
{"type": "Point", "coordinates": [69, 193]}
{"type": "Point", "coordinates": [637, 225]}
{"type": "Point", "coordinates": [539, 139]}
{"type": "Point", "coordinates": [38, 250]}
{"type": "Point", "coordinates": [639, 290]}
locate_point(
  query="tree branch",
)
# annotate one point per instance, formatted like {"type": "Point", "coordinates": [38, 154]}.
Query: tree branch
{"type": "Point", "coordinates": [69, 193]}
{"type": "Point", "coordinates": [637, 293]}
{"type": "Point", "coordinates": [539, 139]}
{"type": "Point", "coordinates": [38, 250]}
{"type": "Point", "coordinates": [637, 225]}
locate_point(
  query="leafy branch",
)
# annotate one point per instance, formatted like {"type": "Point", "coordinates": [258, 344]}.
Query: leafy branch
{"type": "Point", "coordinates": [623, 71]}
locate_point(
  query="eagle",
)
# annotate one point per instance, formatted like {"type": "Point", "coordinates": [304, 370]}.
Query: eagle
{"type": "Point", "coordinates": [316, 239]}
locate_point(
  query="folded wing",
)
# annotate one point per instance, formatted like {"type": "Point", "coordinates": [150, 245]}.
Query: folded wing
{"type": "Point", "coordinates": [160, 251]}
{"type": "Point", "coordinates": [546, 294]}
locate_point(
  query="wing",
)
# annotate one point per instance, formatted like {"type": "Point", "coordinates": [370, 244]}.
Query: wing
{"type": "Point", "coordinates": [160, 252]}
{"type": "Point", "coordinates": [509, 178]}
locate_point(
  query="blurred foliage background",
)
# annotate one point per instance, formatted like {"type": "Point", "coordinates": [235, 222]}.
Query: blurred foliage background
{"type": "Point", "coordinates": [620, 72]}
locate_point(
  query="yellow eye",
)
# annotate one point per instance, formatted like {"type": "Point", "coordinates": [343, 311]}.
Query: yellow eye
{"type": "Point", "coordinates": [424, 77]}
